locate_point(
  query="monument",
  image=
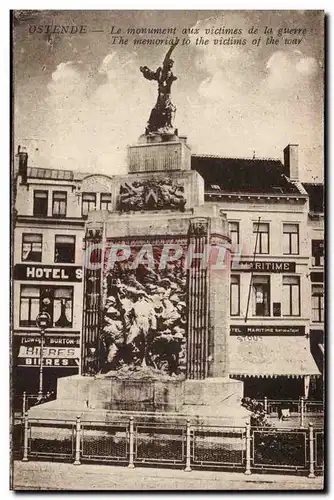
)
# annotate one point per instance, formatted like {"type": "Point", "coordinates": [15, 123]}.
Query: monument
{"type": "Point", "coordinates": [156, 291]}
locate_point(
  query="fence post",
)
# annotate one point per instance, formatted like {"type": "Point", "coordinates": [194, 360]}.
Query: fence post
{"type": "Point", "coordinates": [248, 450]}
{"type": "Point", "coordinates": [188, 447]}
{"type": "Point", "coordinates": [77, 441]}
{"type": "Point", "coordinates": [311, 439]}
{"type": "Point", "coordinates": [25, 437]}
{"type": "Point", "coordinates": [302, 411]}
{"type": "Point", "coordinates": [24, 403]}
{"type": "Point", "coordinates": [131, 444]}
{"type": "Point", "coordinates": [266, 404]}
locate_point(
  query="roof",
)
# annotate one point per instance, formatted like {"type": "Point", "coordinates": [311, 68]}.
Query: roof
{"type": "Point", "coordinates": [271, 356]}
{"type": "Point", "coordinates": [49, 173]}
{"type": "Point", "coordinates": [55, 174]}
{"type": "Point", "coordinates": [316, 196]}
{"type": "Point", "coordinates": [243, 175]}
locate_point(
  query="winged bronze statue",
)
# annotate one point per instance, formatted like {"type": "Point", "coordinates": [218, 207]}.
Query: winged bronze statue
{"type": "Point", "coordinates": [162, 115]}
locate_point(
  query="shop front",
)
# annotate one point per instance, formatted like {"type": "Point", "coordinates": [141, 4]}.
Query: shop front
{"type": "Point", "coordinates": [61, 358]}
{"type": "Point", "coordinates": [273, 361]}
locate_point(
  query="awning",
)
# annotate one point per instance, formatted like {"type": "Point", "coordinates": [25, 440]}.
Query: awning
{"type": "Point", "coordinates": [271, 357]}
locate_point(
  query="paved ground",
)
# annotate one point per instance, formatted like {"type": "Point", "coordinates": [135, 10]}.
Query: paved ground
{"type": "Point", "coordinates": [55, 476]}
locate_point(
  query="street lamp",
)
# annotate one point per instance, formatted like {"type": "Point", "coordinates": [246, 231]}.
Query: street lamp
{"type": "Point", "coordinates": [43, 321]}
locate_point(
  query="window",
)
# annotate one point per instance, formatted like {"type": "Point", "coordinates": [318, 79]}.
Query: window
{"type": "Point", "coordinates": [59, 202]}
{"type": "Point", "coordinates": [290, 239]}
{"type": "Point", "coordinates": [29, 305]}
{"type": "Point", "coordinates": [261, 295]}
{"type": "Point", "coordinates": [317, 303]}
{"type": "Point", "coordinates": [317, 252]}
{"type": "Point", "coordinates": [234, 234]}
{"type": "Point", "coordinates": [64, 248]}
{"type": "Point", "coordinates": [261, 232]}
{"type": "Point", "coordinates": [291, 296]}
{"type": "Point", "coordinates": [88, 202]}
{"type": "Point", "coordinates": [235, 295]}
{"type": "Point", "coordinates": [62, 307]}
{"type": "Point", "coordinates": [41, 203]}
{"type": "Point", "coordinates": [105, 201]}
{"type": "Point", "coordinates": [57, 301]}
{"type": "Point", "coordinates": [32, 247]}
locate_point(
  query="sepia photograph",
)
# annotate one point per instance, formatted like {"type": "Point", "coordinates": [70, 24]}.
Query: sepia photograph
{"type": "Point", "coordinates": [167, 250]}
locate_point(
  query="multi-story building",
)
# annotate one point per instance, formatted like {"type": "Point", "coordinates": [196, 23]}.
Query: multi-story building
{"type": "Point", "coordinates": [269, 220]}
{"type": "Point", "coordinates": [270, 314]}
{"type": "Point", "coordinates": [316, 274]}
{"type": "Point", "coordinates": [47, 274]}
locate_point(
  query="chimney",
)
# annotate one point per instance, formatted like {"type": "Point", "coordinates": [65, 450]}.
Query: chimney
{"type": "Point", "coordinates": [291, 161]}
{"type": "Point", "coordinates": [22, 163]}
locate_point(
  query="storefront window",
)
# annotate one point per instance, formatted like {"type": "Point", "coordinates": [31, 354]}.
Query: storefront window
{"type": "Point", "coordinates": [64, 248]}
{"type": "Point", "coordinates": [261, 295]}
{"type": "Point", "coordinates": [235, 295]}
{"type": "Point", "coordinates": [32, 247]}
{"type": "Point", "coordinates": [291, 296]}
{"type": "Point", "coordinates": [290, 239]}
{"type": "Point", "coordinates": [57, 301]}
{"type": "Point", "coordinates": [261, 233]}
{"type": "Point", "coordinates": [318, 303]}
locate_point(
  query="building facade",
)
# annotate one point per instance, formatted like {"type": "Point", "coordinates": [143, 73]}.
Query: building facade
{"type": "Point", "coordinates": [47, 272]}
{"type": "Point", "coordinates": [316, 275]}
{"type": "Point", "coordinates": [271, 291]}
{"type": "Point", "coordinates": [270, 315]}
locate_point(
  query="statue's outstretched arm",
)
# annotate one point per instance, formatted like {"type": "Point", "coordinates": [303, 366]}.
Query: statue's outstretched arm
{"type": "Point", "coordinates": [148, 73]}
{"type": "Point", "coordinates": [169, 53]}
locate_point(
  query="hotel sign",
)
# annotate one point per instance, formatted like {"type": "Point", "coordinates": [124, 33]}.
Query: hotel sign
{"type": "Point", "coordinates": [57, 351]}
{"type": "Point", "coordinates": [267, 330]}
{"type": "Point", "coordinates": [265, 266]}
{"type": "Point", "coordinates": [26, 272]}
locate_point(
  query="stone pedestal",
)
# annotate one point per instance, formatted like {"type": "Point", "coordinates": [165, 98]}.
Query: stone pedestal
{"type": "Point", "coordinates": [161, 156]}
{"type": "Point", "coordinates": [214, 401]}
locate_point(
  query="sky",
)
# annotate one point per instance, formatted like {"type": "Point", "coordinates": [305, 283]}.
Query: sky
{"type": "Point", "coordinates": [79, 99]}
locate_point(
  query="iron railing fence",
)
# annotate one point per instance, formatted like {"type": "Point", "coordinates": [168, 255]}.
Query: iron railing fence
{"type": "Point", "coordinates": [23, 402]}
{"type": "Point", "coordinates": [105, 442]}
{"type": "Point", "coordinates": [49, 439]}
{"type": "Point", "coordinates": [174, 443]}
{"type": "Point", "coordinates": [159, 443]}
{"type": "Point", "coordinates": [319, 451]}
{"type": "Point", "coordinates": [314, 407]}
{"type": "Point", "coordinates": [275, 406]}
{"type": "Point", "coordinates": [218, 446]}
{"type": "Point", "coordinates": [279, 448]}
